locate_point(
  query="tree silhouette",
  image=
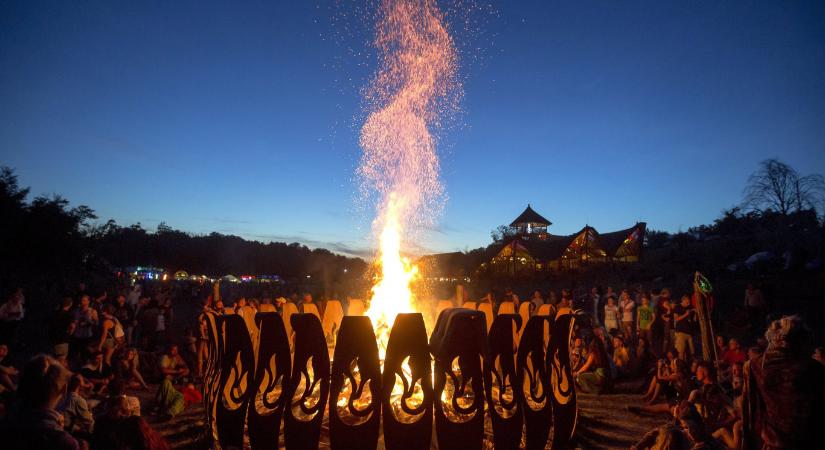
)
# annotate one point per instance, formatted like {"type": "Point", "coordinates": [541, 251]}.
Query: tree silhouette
{"type": "Point", "coordinates": [779, 187]}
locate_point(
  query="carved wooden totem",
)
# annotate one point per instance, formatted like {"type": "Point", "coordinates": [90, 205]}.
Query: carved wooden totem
{"type": "Point", "coordinates": [458, 344]}
{"type": "Point", "coordinates": [503, 382]}
{"type": "Point", "coordinates": [309, 384]}
{"type": "Point", "coordinates": [406, 387]}
{"type": "Point", "coordinates": [235, 383]}
{"type": "Point", "coordinates": [355, 387]}
{"type": "Point", "coordinates": [535, 385]}
{"type": "Point", "coordinates": [271, 380]}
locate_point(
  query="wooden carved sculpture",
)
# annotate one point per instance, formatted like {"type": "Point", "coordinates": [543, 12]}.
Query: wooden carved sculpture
{"type": "Point", "coordinates": [458, 345]}
{"type": "Point", "coordinates": [355, 404]}
{"type": "Point", "coordinates": [271, 380]}
{"type": "Point", "coordinates": [309, 384]}
{"type": "Point", "coordinates": [503, 382]}
{"type": "Point", "coordinates": [235, 381]}
{"type": "Point", "coordinates": [407, 390]}
{"type": "Point", "coordinates": [535, 385]}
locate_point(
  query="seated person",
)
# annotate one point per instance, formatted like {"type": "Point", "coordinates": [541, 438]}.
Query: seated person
{"type": "Point", "coordinates": [171, 365]}
{"type": "Point", "coordinates": [128, 368]}
{"type": "Point", "coordinates": [37, 424]}
{"type": "Point", "coordinates": [8, 374]}
{"type": "Point", "coordinates": [592, 375]}
{"type": "Point", "coordinates": [97, 372]}
{"type": "Point", "coordinates": [621, 356]}
{"type": "Point", "coordinates": [77, 415]}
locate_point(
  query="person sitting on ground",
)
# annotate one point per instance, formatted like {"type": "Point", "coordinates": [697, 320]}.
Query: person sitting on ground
{"type": "Point", "coordinates": [710, 400]}
{"type": "Point", "coordinates": [97, 372]}
{"type": "Point", "coordinates": [36, 424]}
{"type": "Point", "coordinates": [77, 415]}
{"type": "Point", "coordinates": [673, 382]}
{"type": "Point", "coordinates": [169, 401]}
{"type": "Point", "coordinates": [733, 354]}
{"type": "Point", "coordinates": [669, 436]}
{"type": "Point", "coordinates": [621, 356]}
{"type": "Point", "coordinates": [117, 392]}
{"type": "Point", "coordinates": [172, 366]}
{"type": "Point", "coordinates": [592, 376]}
{"type": "Point", "coordinates": [694, 427]}
{"type": "Point", "coordinates": [119, 429]}
{"type": "Point", "coordinates": [128, 369]}
{"type": "Point", "coordinates": [8, 374]}
{"type": "Point", "coordinates": [576, 353]}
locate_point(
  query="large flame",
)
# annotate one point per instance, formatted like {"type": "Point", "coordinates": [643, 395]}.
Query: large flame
{"type": "Point", "coordinates": [415, 82]}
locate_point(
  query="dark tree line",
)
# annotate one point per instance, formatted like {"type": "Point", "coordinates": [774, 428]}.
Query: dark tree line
{"type": "Point", "coordinates": [44, 242]}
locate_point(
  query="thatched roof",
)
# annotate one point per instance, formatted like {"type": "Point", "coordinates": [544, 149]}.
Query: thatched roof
{"type": "Point", "coordinates": [529, 216]}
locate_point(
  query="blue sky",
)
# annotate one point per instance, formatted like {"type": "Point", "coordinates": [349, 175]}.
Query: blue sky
{"type": "Point", "coordinates": [243, 119]}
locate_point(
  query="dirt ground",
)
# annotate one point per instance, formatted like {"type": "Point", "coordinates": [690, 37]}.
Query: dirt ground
{"type": "Point", "coordinates": [604, 423]}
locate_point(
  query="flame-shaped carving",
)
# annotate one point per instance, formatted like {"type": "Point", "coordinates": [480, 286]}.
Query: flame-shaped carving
{"type": "Point", "coordinates": [502, 396]}
{"type": "Point", "coordinates": [407, 398]}
{"type": "Point", "coordinates": [458, 398]}
{"type": "Point", "coordinates": [355, 398]}
{"type": "Point", "coordinates": [270, 389]}
{"type": "Point", "coordinates": [533, 388]}
{"type": "Point", "coordinates": [307, 395]}
{"type": "Point", "coordinates": [562, 388]}
{"type": "Point", "coordinates": [236, 385]}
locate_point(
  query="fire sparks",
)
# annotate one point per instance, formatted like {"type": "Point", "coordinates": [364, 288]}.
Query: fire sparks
{"type": "Point", "coordinates": [415, 82]}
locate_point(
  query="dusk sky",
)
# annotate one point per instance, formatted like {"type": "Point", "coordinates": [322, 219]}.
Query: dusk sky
{"type": "Point", "coordinates": [244, 118]}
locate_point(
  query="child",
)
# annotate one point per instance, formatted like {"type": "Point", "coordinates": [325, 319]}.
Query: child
{"type": "Point", "coordinates": [611, 315]}
{"type": "Point", "coordinates": [645, 319]}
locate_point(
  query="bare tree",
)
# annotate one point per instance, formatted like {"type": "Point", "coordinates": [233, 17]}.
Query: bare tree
{"type": "Point", "coordinates": [778, 187]}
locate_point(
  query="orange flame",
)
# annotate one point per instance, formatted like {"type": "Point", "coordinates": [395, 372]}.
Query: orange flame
{"type": "Point", "coordinates": [415, 81]}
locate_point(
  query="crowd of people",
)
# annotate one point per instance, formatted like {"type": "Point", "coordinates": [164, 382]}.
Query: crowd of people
{"type": "Point", "coordinates": [643, 335]}
{"type": "Point", "coordinates": [105, 352]}
{"type": "Point", "coordinates": [107, 348]}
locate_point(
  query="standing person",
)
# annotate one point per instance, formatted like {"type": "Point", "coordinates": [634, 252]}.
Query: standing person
{"type": "Point", "coordinates": [628, 309]}
{"type": "Point", "coordinates": [148, 324]}
{"type": "Point", "coordinates": [134, 296]}
{"type": "Point", "coordinates": [755, 304]}
{"type": "Point", "coordinates": [125, 315]}
{"type": "Point", "coordinates": [664, 311]}
{"type": "Point", "coordinates": [611, 315]}
{"type": "Point", "coordinates": [11, 314]}
{"type": "Point", "coordinates": [61, 327]}
{"type": "Point", "coordinates": [86, 320]}
{"type": "Point", "coordinates": [596, 304]}
{"type": "Point", "coordinates": [111, 334]}
{"type": "Point", "coordinates": [645, 318]}
{"type": "Point", "coordinates": [684, 318]}
{"type": "Point", "coordinates": [537, 300]}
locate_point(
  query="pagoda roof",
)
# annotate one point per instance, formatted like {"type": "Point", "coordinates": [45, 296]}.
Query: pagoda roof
{"type": "Point", "coordinates": [529, 216]}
